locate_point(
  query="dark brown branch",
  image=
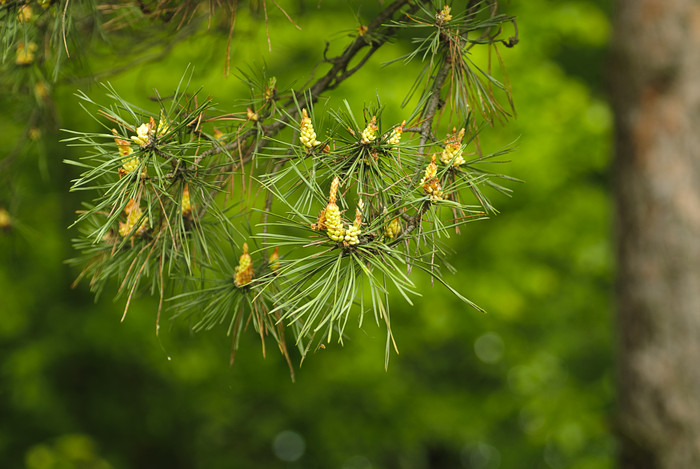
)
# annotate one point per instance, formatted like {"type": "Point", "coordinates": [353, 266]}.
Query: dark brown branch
{"type": "Point", "coordinates": [336, 75]}
{"type": "Point", "coordinates": [513, 40]}
{"type": "Point", "coordinates": [414, 221]}
{"type": "Point", "coordinates": [338, 72]}
{"type": "Point", "coordinates": [433, 104]}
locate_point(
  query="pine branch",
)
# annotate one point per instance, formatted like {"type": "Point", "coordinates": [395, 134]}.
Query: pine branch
{"type": "Point", "coordinates": [331, 80]}
{"type": "Point", "coordinates": [433, 104]}
{"type": "Point", "coordinates": [333, 265]}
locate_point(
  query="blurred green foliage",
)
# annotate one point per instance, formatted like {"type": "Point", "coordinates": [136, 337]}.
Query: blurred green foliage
{"type": "Point", "coordinates": [527, 385]}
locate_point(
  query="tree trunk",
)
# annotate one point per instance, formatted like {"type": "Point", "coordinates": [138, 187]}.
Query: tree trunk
{"type": "Point", "coordinates": [655, 81]}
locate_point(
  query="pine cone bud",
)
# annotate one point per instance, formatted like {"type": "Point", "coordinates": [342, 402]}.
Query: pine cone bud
{"type": "Point", "coordinates": [25, 53]}
{"type": "Point", "coordinates": [125, 150]}
{"type": "Point", "coordinates": [307, 135]}
{"type": "Point", "coordinates": [334, 190]}
{"type": "Point", "coordinates": [395, 136]}
{"type": "Point", "coordinates": [393, 229]}
{"type": "Point", "coordinates": [244, 270]}
{"type": "Point", "coordinates": [25, 14]}
{"type": "Point", "coordinates": [430, 182]}
{"type": "Point", "coordinates": [186, 205]}
{"type": "Point", "coordinates": [369, 135]}
{"type": "Point", "coordinates": [271, 89]}
{"type": "Point", "coordinates": [252, 115]}
{"type": "Point", "coordinates": [351, 235]}
{"type": "Point", "coordinates": [143, 134]}
{"type": "Point", "coordinates": [163, 126]}
{"type": "Point", "coordinates": [452, 154]}
{"type": "Point", "coordinates": [358, 213]}
{"type": "Point", "coordinates": [5, 220]}
{"type": "Point", "coordinates": [321, 222]}
{"type": "Point", "coordinates": [334, 225]}
{"type": "Point", "coordinates": [133, 214]}
{"type": "Point", "coordinates": [274, 261]}
{"type": "Point", "coordinates": [443, 16]}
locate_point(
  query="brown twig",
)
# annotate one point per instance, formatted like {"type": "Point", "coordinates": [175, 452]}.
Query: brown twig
{"type": "Point", "coordinates": [433, 104]}
{"type": "Point", "coordinates": [336, 75]}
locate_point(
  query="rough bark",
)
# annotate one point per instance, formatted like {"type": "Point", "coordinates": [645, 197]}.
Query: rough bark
{"type": "Point", "coordinates": [655, 84]}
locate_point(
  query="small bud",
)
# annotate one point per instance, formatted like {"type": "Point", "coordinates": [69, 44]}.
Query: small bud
{"type": "Point", "coordinates": [358, 213]}
{"type": "Point", "coordinates": [443, 16]}
{"type": "Point", "coordinates": [430, 182]}
{"type": "Point", "coordinates": [395, 136]}
{"type": "Point", "coordinates": [430, 171]}
{"type": "Point", "coordinates": [274, 261]}
{"type": "Point", "coordinates": [125, 150]}
{"type": "Point", "coordinates": [334, 225]}
{"type": "Point", "coordinates": [352, 234]}
{"type": "Point", "coordinates": [25, 14]}
{"type": "Point", "coordinates": [252, 116]}
{"type": "Point", "coordinates": [271, 89]}
{"type": "Point", "coordinates": [362, 30]}
{"type": "Point", "coordinates": [369, 135]}
{"type": "Point", "coordinates": [334, 190]}
{"type": "Point", "coordinates": [452, 154]}
{"type": "Point", "coordinates": [123, 145]}
{"type": "Point", "coordinates": [321, 222]}
{"type": "Point", "coordinates": [25, 53]}
{"type": "Point", "coordinates": [307, 135]}
{"type": "Point", "coordinates": [41, 91]}
{"type": "Point", "coordinates": [163, 126]}
{"type": "Point", "coordinates": [393, 229]}
{"type": "Point", "coordinates": [143, 135]}
{"type": "Point", "coordinates": [5, 220]}
{"type": "Point", "coordinates": [244, 270]}
{"type": "Point", "coordinates": [133, 214]}
{"type": "Point", "coordinates": [186, 205]}
{"type": "Point", "coordinates": [218, 135]}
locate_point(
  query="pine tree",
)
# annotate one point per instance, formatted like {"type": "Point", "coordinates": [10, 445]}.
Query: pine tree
{"type": "Point", "coordinates": [279, 215]}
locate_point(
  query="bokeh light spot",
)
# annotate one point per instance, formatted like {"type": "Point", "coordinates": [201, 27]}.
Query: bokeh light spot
{"type": "Point", "coordinates": [489, 348]}
{"type": "Point", "coordinates": [288, 446]}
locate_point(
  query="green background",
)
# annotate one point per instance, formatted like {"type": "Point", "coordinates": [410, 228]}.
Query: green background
{"type": "Point", "coordinates": [527, 385]}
